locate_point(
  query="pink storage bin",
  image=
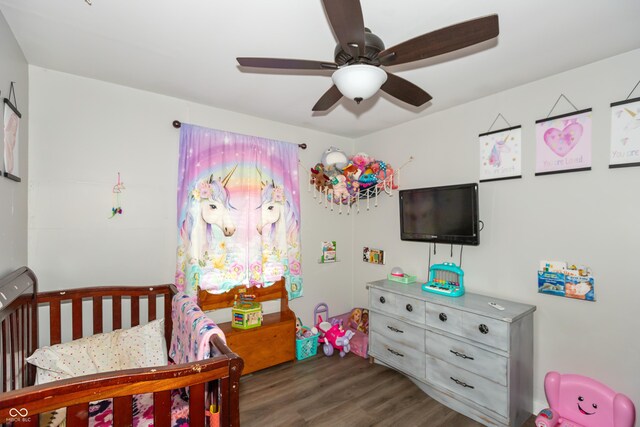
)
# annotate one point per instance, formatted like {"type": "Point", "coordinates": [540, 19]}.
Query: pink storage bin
{"type": "Point", "coordinates": [360, 341]}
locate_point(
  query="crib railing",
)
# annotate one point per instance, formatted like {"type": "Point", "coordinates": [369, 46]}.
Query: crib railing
{"type": "Point", "coordinates": [116, 294]}
{"type": "Point", "coordinates": [23, 406]}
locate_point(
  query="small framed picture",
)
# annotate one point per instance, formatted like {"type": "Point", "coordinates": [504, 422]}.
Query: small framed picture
{"type": "Point", "coordinates": [373, 256]}
{"type": "Point", "coordinates": [625, 133]}
{"type": "Point", "coordinates": [11, 142]}
{"type": "Point", "coordinates": [563, 143]}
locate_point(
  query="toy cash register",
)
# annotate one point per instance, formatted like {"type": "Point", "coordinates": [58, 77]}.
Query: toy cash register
{"type": "Point", "coordinates": [445, 279]}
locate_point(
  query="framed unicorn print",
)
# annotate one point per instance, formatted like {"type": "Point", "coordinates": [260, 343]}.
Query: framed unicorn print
{"type": "Point", "coordinates": [501, 154]}
{"type": "Point", "coordinates": [563, 143]}
{"type": "Point", "coordinates": [11, 141]}
{"type": "Point", "coordinates": [625, 133]}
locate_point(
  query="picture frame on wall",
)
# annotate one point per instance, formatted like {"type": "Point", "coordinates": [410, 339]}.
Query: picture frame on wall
{"type": "Point", "coordinates": [625, 133]}
{"type": "Point", "coordinates": [563, 143]}
{"type": "Point", "coordinates": [11, 141]}
{"type": "Point", "coordinates": [501, 154]}
{"type": "Point", "coordinates": [373, 256]}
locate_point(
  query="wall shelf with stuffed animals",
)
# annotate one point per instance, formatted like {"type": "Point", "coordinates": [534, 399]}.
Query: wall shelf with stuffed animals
{"type": "Point", "coordinates": [344, 183]}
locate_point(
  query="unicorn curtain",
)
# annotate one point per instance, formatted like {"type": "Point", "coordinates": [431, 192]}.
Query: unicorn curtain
{"type": "Point", "coordinates": [238, 212]}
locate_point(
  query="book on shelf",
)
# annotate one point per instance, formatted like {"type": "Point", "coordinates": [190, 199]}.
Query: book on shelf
{"type": "Point", "coordinates": [328, 251]}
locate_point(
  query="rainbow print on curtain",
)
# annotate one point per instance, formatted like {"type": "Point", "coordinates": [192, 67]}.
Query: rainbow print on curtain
{"type": "Point", "coordinates": [238, 212]}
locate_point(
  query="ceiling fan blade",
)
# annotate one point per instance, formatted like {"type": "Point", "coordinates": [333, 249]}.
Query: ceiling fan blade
{"type": "Point", "coordinates": [405, 91]}
{"type": "Point", "coordinates": [347, 22]}
{"type": "Point", "coordinates": [327, 100]}
{"type": "Point", "coordinates": [442, 41]}
{"type": "Point", "coordinates": [288, 64]}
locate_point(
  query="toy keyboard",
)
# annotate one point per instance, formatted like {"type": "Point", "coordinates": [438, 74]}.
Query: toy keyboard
{"type": "Point", "coordinates": [445, 279]}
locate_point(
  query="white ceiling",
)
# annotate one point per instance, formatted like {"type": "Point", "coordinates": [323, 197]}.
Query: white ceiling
{"type": "Point", "coordinates": [187, 49]}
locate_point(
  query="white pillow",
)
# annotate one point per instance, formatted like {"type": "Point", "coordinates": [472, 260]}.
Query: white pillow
{"type": "Point", "coordinates": [138, 347]}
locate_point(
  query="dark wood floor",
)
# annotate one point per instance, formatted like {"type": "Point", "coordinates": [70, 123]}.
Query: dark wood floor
{"type": "Point", "coordinates": [334, 391]}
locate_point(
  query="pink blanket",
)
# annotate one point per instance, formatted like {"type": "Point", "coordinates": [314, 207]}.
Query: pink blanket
{"type": "Point", "coordinates": [191, 330]}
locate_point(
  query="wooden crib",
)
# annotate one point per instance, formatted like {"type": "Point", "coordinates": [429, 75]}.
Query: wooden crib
{"type": "Point", "coordinates": [214, 381]}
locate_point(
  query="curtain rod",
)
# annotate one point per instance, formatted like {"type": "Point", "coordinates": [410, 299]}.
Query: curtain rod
{"type": "Point", "coordinates": [177, 124]}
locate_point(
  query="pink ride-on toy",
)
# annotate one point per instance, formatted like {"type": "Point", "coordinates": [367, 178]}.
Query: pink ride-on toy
{"type": "Point", "coordinates": [578, 401]}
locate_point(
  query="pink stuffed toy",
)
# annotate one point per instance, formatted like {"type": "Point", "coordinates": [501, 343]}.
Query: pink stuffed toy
{"type": "Point", "coordinates": [340, 191]}
{"type": "Point", "coordinates": [382, 172]}
{"type": "Point", "coordinates": [361, 160]}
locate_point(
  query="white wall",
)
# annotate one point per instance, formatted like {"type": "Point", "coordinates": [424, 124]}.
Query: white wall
{"type": "Point", "coordinates": [85, 131]}
{"type": "Point", "coordinates": [13, 195]}
{"type": "Point", "coordinates": [584, 217]}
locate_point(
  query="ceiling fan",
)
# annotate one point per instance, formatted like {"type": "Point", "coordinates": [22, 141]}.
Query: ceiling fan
{"type": "Point", "coordinates": [360, 54]}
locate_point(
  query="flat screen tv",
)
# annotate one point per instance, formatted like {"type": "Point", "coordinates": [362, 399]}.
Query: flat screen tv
{"type": "Point", "coordinates": [440, 214]}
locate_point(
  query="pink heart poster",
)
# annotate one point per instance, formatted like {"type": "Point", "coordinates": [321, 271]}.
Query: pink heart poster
{"type": "Point", "coordinates": [563, 143]}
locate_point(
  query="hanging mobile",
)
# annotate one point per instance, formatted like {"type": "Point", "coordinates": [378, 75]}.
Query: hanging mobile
{"type": "Point", "coordinates": [117, 207]}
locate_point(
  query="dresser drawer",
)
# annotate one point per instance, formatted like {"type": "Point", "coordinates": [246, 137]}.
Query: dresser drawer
{"type": "Point", "coordinates": [398, 331]}
{"type": "Point", "coordinates": [491, 332]}
{"type": "Point", "coordinates": [410, 309]}
{"type": "Point", "coordinates": [444, 318]}
{"type": "Point", "coordinates": [397, 355]}
{"type": "Point", "coordinates": [398, 305]}
{"type": "Point", "coordinates": [382, 301]}
{"type": "Point", "coordinates": [475, 388]}
{"type": "Point", "coordinates": [467, 356]}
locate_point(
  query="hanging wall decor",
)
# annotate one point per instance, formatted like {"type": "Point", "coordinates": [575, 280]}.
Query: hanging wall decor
{"type": "Point", "coordinates": [11, 137]}
{"type": "Point", "coordinates": [501, 153]}
{"type": "Point", "coordinates": [563, 143]}
{"type": "Point", "coordinates": [625, 132]}
{"type": "Point", "coordinates": [116, 191]}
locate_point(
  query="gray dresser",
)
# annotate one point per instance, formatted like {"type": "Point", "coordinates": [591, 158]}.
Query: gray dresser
{"type": "Point", "coordinates": [461, 351]}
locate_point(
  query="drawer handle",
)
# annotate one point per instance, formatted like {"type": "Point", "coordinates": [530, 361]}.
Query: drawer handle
{"type": "Point", "coordinates": [463, 384]}
{"type": "Point", "coordinates": [382, 300]}
{"type": "Point", "coordinates": [395, 352]}
{"type": "Point", "coordinates": [395, 329]}
{"type": "Point", "coordinates": [443, 317]}
{"type": "Point", "coordinates": [464, 356]}
{"type": "Point", "coordinates": [409, 307]}
{"type": "Point", "coordinates": [483, 328]}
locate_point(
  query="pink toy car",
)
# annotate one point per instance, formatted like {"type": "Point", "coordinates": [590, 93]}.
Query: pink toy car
{"type": "Point", "coordinates": [577, 401]}
{"type": "Point", "coordinates": [335, 338]}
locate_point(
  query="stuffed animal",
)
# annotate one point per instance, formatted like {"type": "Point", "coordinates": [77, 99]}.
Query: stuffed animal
{"type": "Point", "coordinates": [319, 179]}
{"type": "Point", "coordinates": [352, 172]}
{"type": "Point", "coordinates": [340, 192]}
{"type": "Point", "coordinates": [336, 157]}
{"type": "Point", "coordinates": [383, 171]}
{"type": "Point", "coordinates": [367, 179]}
{"type": "Point", "coordinates": [361, 160]}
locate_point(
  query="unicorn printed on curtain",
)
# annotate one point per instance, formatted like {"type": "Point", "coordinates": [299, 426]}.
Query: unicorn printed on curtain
{"type": "Point", "coordinates": [238, 212]}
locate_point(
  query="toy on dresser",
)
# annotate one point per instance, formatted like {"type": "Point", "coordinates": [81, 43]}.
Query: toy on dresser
{"type": "Point", "coordinates": [578, 401]}
{"type": "Point", "coordinates": [445, 279]}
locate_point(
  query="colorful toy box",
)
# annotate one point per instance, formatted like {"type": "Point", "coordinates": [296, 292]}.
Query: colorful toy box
{"type": "Point", "coordinates": [246, 315]}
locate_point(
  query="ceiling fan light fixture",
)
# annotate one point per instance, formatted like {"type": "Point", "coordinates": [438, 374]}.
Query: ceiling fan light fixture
{"type": "Point", "coordinates": [359, 81]}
